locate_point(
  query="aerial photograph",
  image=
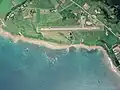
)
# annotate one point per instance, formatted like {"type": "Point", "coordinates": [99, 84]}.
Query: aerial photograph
{"type": "Point", "coordinates": [59, 44]}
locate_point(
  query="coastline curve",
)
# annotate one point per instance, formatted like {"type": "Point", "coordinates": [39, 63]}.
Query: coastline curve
{"type": "Point", "coordinates": [54, 46]}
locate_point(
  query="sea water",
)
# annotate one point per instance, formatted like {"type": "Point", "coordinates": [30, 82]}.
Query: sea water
{"type": "Point", "coordinates": [30, 67]}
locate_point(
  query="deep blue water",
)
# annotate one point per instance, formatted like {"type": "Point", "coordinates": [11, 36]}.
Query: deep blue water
{"type": "Point", "coordinates": [39, 68]}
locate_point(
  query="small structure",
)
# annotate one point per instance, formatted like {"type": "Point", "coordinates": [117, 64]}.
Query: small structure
{"type": "Point", "coordinates": [31, 3]}
{"type": "Point", "coordinates": [82, 40]}
{"type": "Point", "coordinates": [2, 24]}
{"type": "Point", "coordinates": [97, 11]}
{"type": "Point", "coordinates": [88, 23]}
{"type": "Point", "coordinates": [112, 16]}
{"type": "Point", "coordinates": [86, 6]}
{"type": "Point", "coordinates": [117, 52]}
{"type": "Point", "coordinates": [70, 34]}
{"type": "Point", "coordinates": [11, 15]}
{"type": "Point", "coordinates": [83, 19]}
{"type": "Point", "coordinates": [75, 14]}
{"type": "Point", "coordinates": [44, 11]}
{"type": "Point", "coordinates": [94, 16]}
{"type": "Point", "coordinates": [106, 33]}
{"type": "Point", "coordinates": [63, 1]}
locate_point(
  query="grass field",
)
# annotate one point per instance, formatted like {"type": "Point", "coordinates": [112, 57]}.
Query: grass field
{"type": "Point", "coordinates": [46, 19]}
{"type": "Point", "coordinates": [38, 16]}
{"type": "Point", "coordinates": [55, 19]}
{"type": "Point", "coordinates": [90, 37]}
{"type": "Point", "coordinates": [25, 27]}
{"type": "Point", "coordinates": [5, 6]}
{"type": "Point", "coordinates": [11, 27]}
{"type": "Point", "coordinates": [1, 1]}
{"type": "Point", "coordinates": [60, 22]}
{"type": "Point", "coordinates": [44, 4]}
{"type": "Point", "coordinates": [54, 2]}
{"type": "Point", "coordinates": [57, 37]}
{"type": "Point", "coordinates": [19, 1]}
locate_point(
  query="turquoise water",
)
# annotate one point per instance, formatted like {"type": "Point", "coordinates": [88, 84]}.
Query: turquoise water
{"type": "Point", "coordinates": [30, 67]}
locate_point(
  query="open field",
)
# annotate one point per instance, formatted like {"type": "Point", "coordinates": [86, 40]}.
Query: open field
{"type": "Point", "coordinates": [5, 6]}
{"type": "Point", "coordinates": [18, 1]}
{"type": "Point", "coordinates": [48, 18]}
{"type": "Point", "coordinates": [43, 4]}
{"type": "Point", "coordinates": [57, 37]}
{"type": "Point", "coordinates": [82, 36]}
{"type": "Point", "coordinates": [56, 18]}
{"type": "Point", "coordinates": [87, 37]}
{"type": "Point", "coordinates": [60, 22]}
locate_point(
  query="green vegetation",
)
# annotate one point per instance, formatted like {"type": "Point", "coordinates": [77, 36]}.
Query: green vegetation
{"type": "Point", "coordinates": [48, 18]}
{"type": "Point", "coordinates": [1, 1]}
{"type": "Point", "coordinates": [5, 6]}
{"type": "Point", "coordinates": [38, 16]}
{"type": "Point", "coordinates": [81, 2]}
{"type": "Point", "coordinates": [54, 2]}
{"type": "Point", "coordinates": [89, 37]}
{"type": "Point", "coordinates": [19, 1]}
{"type": "Point", "coordinates": [110, 16]}
{"type": "Point", "coordinates": [43, 4]}
{"type": "Point", "coordinates": [60, 22]}
{"type": "Point", "coordinates": [29, 17]}
{"type": "Point", "coordinates": [44, 17]}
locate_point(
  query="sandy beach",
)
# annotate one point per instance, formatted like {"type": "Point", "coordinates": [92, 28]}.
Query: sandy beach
{"type": "Point", "coordinates": [51, 45]}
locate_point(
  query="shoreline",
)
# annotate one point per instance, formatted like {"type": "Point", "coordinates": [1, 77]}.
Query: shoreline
{"type": "Point", "coordinates": [54, 46]}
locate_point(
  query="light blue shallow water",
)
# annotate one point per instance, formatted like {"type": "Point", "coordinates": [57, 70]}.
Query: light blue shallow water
{"type": "Point", "coordinates": [22, 69]}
